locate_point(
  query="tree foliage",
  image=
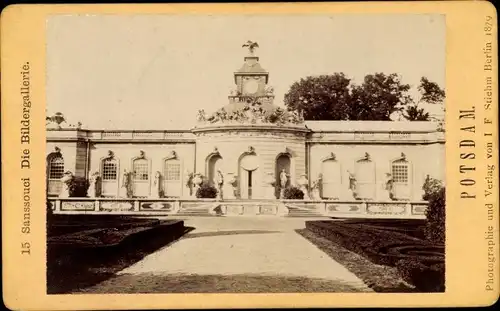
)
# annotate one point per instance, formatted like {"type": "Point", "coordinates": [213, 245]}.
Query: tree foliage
{"type": "Point", "coordinates": [413, 113]}
{"type": "Point", "coordinates": [378, 97]}
{"type": "Point", "coordinates": [335, 97]}
{"type": "Point", "coordinates": [324, 97]}
{"type": "Point", "coordinates": [430, 93]}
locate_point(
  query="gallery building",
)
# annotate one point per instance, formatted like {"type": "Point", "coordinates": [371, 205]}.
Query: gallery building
{"type": "Point", "coordinates": [246, 146]}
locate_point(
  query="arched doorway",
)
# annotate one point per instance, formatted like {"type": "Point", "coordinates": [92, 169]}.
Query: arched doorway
{"type": "Point", "coordinates": [283, 162]}
{"type": "Point", "coordinates": [172, 177]}
{"type": "Point", "coordinates": [140, 177]}
{"type": "Point", "coordinates": [331, 179]}
{"type": "Point", "coordinates": [248, 175]}
{"type": "Point", "coordinates": [109, 175]}
{"type": "Point", "coordinates": [55, 171]}
{"type": "Point", "coordinates": [214, 164]}
{"type": "Point", "coordinates": [364, 172]}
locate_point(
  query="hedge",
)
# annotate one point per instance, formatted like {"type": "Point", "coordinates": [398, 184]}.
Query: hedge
{"type": "Point", "coordinates": [293, 193]}
{"type": "Point", "coordinates": [206, 192]}
{"type": "Point", "coordinates": [389, 246]}
{"type": "Point", "coordinates": [436, 215]}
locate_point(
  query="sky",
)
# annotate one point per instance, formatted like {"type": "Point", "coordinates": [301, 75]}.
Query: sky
{"type": "Point", "coordinates": [157, 71]}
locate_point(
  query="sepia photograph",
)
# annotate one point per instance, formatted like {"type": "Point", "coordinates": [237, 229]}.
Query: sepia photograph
{"type": "Point", "coordinates": [245, 153]}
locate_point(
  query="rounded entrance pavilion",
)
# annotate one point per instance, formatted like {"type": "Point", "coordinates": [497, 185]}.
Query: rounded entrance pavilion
{"type": "Point", "coordinates": [252, 149]}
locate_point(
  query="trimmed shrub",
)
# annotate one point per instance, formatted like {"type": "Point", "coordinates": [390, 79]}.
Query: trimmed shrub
{"type": "Point", "coordinates": [430, 187]}
{"type": "Point", "coordinates": [78, 187]}
{"type": "Point", "coordinates": [293, 193]}
{"type": "Point", "coordinates": [426, 278]}
{"type": "Point", "coordinates": [436, 214]}
{"type": "Point", "coordinates": [419, 261]}
{"type": "Point", "coordinates": [206, 192]}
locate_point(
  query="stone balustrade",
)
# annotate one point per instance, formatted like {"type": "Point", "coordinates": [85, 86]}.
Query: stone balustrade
{"type": "Point", "coordinates": [172, 206]}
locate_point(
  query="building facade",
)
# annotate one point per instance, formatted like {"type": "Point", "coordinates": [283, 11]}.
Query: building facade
{"type": "Point", "coordinates": [251, 149]}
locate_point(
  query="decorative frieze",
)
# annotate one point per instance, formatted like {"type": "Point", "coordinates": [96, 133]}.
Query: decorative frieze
{"type": "Point", "coordinates": [343, 208]}
{"type": "Point", "coordinates": [156, 206]}
{"type": "Point", "coordinates": [386, 209]}
{"type": "Point", "coordinates": [117, 206]}
{"type": "Point", "coordinates": [77, 206]}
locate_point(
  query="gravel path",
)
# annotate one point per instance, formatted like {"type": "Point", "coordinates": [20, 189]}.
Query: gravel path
{"type": "Point", "coordinates": [237, 254]}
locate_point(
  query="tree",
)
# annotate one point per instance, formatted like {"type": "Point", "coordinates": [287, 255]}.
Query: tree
{"type": "Point", "coordinates": [430, 93]}
{"type": "Point", "coordinates": [378, 97]}
{"type": "Point", "coordinates": [332, 97]}
{"type": "Point", "coordinates": [324, 97]}
{"type": "Point", "coordinates": [413, 113]}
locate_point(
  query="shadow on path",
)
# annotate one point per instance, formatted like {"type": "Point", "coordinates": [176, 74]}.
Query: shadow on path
{"type": "Point", "coordinates": [195, 283]}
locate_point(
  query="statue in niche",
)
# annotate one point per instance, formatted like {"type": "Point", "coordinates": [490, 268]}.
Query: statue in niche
{"type": "Point", "coordinates": [316, 186]}
{"type": "Point", "coordinates": [283, 182]}
{"type": "Point", "coordinates": [283, 178]}
{"type": "Point", "coordinates": [157, 192]}
{"type": "Point", "coordinates": [95, 185]}
{"type": "Point", "coordinates": [353, 184]}
{"type": "Point", "coordinates": [389, 185]}
{"type": "Point", "coordinates": [126, 189]}
{"type": "Point", "coordinates": [220, 183]}
{"type": "Point", "coordinates": [66, 181]}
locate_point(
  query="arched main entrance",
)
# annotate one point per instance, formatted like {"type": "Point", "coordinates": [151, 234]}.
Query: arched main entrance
{"type": "Point", "coordinates": [214, 164]}
{"type": "Point", "coordinates": [283, 162]}
{"type": "Point", "coordinates": [248, 168]}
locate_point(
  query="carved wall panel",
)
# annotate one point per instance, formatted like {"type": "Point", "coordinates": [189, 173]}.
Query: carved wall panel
{"type": "Point", "coordinates": [77, 206]}
{"type": "Point", "coordinates": [112, 206]}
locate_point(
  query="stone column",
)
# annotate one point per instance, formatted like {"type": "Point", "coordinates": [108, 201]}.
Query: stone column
{"type": "Point", "coordinates": [269, 184]}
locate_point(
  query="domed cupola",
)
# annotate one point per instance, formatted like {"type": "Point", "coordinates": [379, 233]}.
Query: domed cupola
{"type": "Point", "coordinates": [251, 103]}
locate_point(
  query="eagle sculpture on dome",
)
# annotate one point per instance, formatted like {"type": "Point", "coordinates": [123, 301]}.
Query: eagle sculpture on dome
{"type": "Point", "coordinates": [251, 45]}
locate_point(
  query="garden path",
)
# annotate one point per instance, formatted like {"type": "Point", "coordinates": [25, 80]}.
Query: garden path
{"type": "Point", "coordinates": [236, 254]}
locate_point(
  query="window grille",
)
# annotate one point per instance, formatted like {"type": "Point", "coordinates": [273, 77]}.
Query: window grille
{"type": "Point", "coordinates": [109, 169]}
{"type": "Point", "coordinates": [141, 170]}
{"type": "Point", "coordinates": [172, 170]}
{"type": "Point", "coordinates": [400, 172]}
{"type": "Point", "coordinates": [56, 168]}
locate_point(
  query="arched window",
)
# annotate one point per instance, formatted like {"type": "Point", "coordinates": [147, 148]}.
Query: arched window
{"type": "Point", "coordinates": [172, 170]}
{"type": "Point", "coordinates": [141, 170]}
{"type": "Point", "coordinates": [109, 175]}
{"type": "Point", "coordinates": [109, 170]}
{"type": "Point", "coordinates": [400, 171]}
{"type": "Point", "coordinates": [55, 173]}
{"type": "Point", "coordinates": [56, 168]}
{"type": "Point", "coordinates": [365, 177]}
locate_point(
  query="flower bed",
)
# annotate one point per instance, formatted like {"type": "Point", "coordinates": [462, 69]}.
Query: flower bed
{"type": "Point", "coordinates": [65, 224]}
{"type": "Point", "coordinates": [92, 255]}
{"type": "Point", "coordinates": [386, 245]}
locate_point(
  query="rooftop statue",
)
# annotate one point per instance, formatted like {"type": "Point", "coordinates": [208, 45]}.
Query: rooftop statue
{"type": "Point", "coordinates": [251, 45]}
